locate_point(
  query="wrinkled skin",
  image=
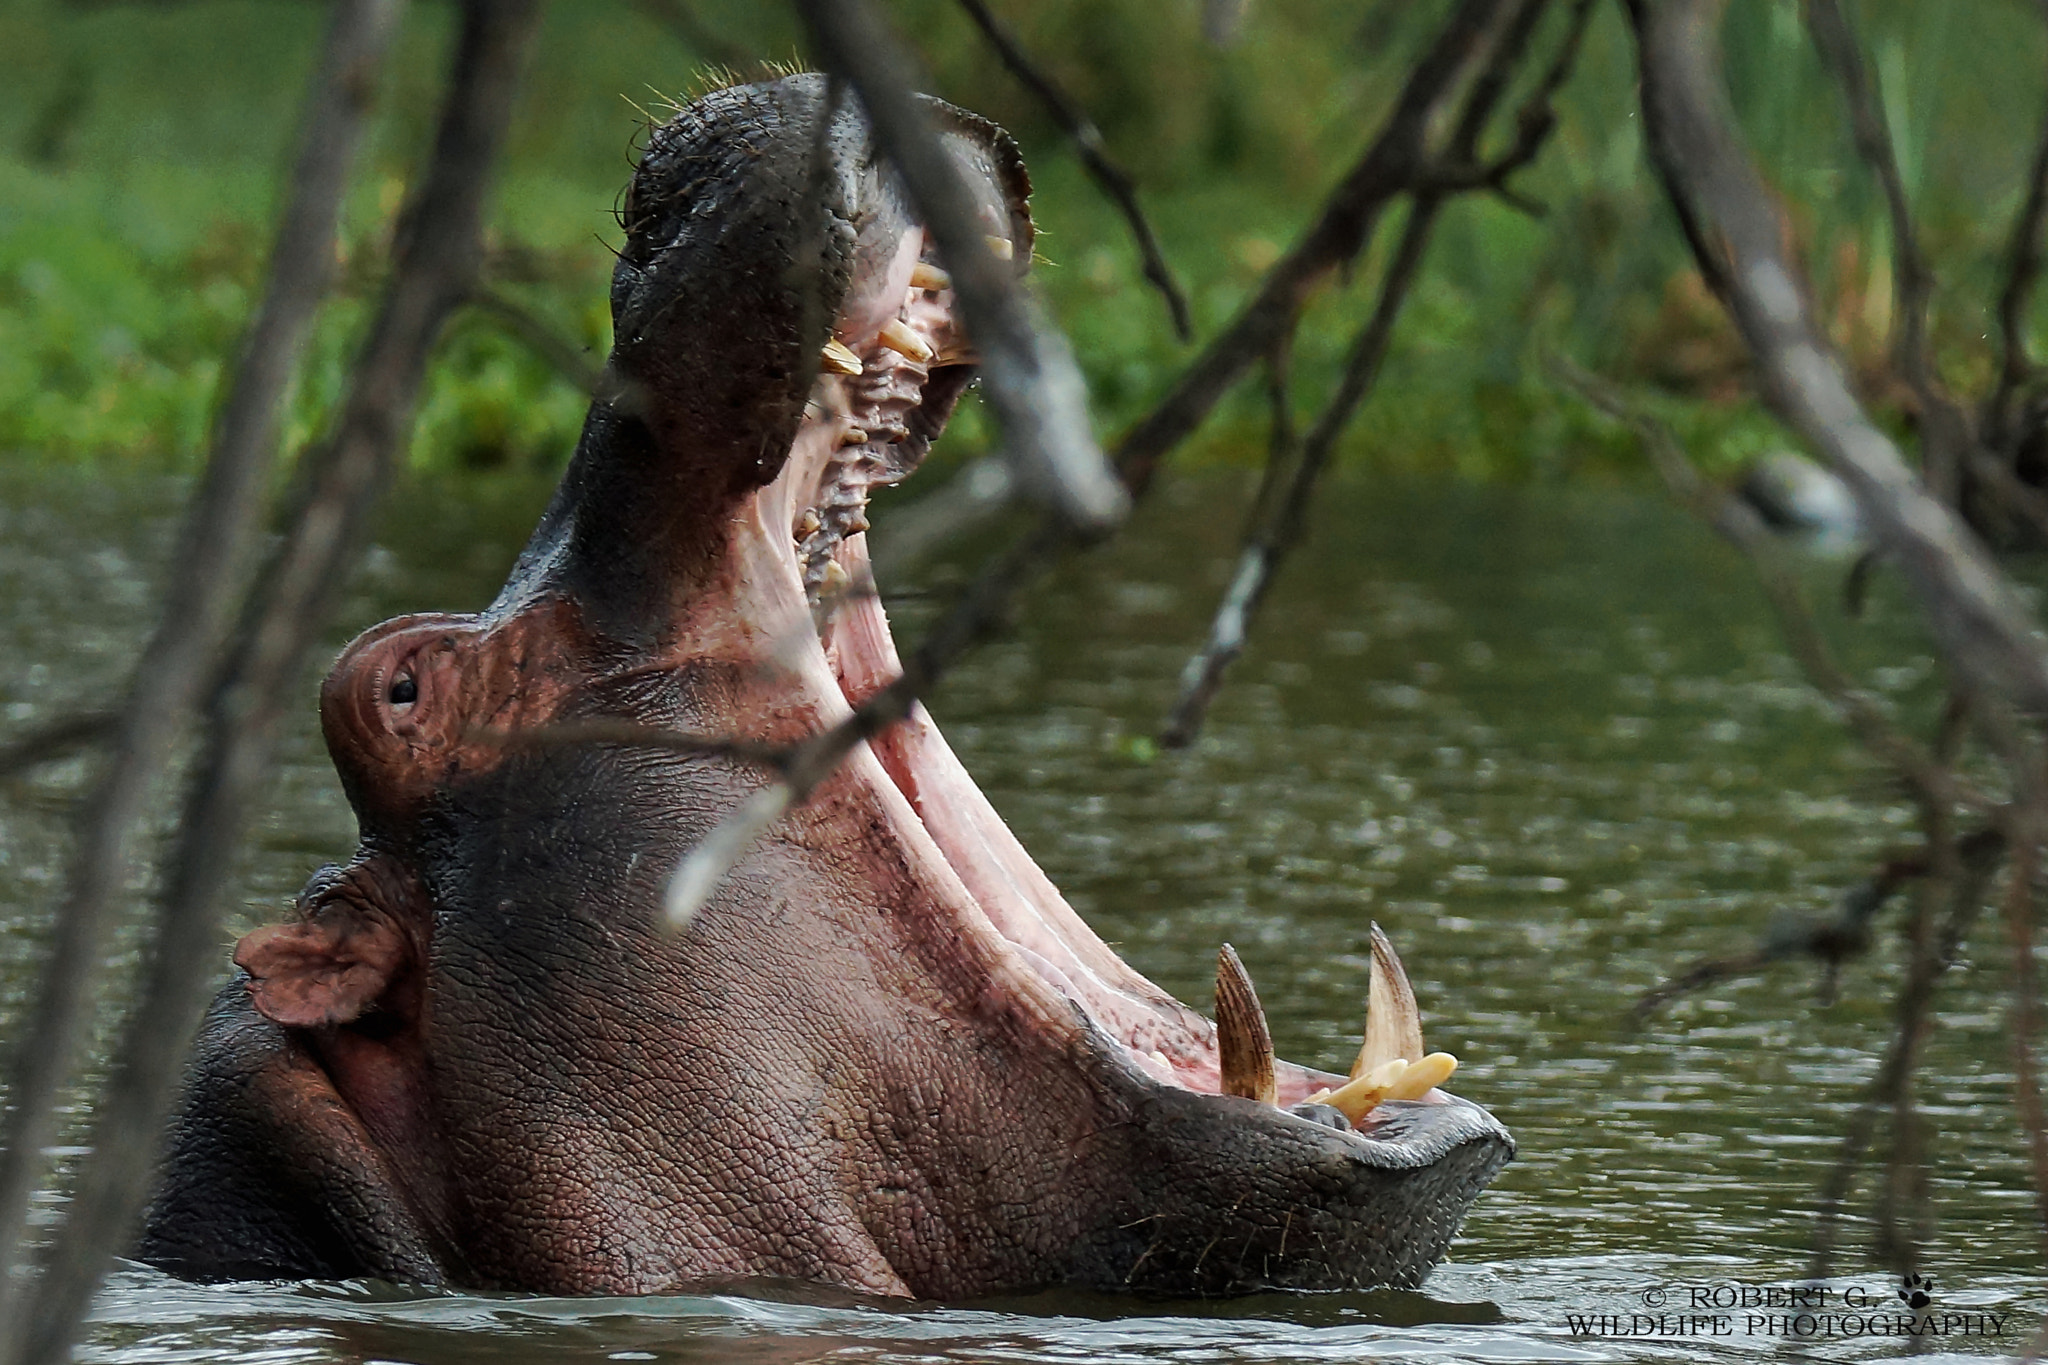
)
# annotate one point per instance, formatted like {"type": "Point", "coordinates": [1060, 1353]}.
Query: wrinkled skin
{"type": "Point", "coordinates": [886, 1055]}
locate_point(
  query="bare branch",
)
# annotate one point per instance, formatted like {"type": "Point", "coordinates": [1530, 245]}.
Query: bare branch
{"type": "Point", "coordinates": [217, 539]}
{"type": "Point", "coordinates": [57, 739]}
{"type": "Point", "coordinates": [1393, 163]}
{"type": "Point", "coordinates": [1112, 179]}
{"type": "Point", "coordinates": [1929, 778]}
{"type": "Point", "coordinates": [2018, 906]}
{"type": "Point", "coordinates": [438, 246]}
{"type": "Point", "coordinates": [1945, 428]}
{"type": "Point", "coordinates": [802, 766]}
{"type": "Point", "coordinates": [1534, 123]}
{"type": "Point", "coordinates": [1279, 525]}
{"type": "Point", "coordinates": [2023, 268]}
{"type": "Point", "coordinates": [1268, 544]}
{"type": "Point", "coordinates": [1029, 375]}
{"type": "Point", "coordinates": [538, 335]}
{"type": "Point", "coordinates": [1976, 616]}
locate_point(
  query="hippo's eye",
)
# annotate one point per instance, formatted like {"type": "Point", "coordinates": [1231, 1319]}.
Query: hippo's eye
{"type": "Point", "coordinates": [404, 691]}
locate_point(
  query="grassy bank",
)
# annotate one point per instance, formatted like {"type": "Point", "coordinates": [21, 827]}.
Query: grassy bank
{"type": "Point", "coordinates": [140, 147]}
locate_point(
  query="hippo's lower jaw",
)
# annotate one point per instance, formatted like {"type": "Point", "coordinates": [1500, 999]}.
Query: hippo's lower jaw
{"type": "Point", "coordinates": [885, 1054]}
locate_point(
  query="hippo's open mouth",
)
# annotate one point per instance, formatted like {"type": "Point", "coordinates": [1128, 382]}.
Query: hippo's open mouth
{"type": "Point", "coordinates": [885, 1053]}
{"type": "Point", "coordinates": [888, 381]}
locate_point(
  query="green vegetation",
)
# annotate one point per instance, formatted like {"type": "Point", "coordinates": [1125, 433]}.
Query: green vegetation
{"type": "Point", "coordinates": [140, 147]}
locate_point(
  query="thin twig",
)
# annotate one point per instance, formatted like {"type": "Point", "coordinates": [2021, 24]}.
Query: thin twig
{"type": "Point", "coordinates": [1281, 521]}
{"type": "Point", "coordinates": [1113, 180]}
{"type": "Point", "coordinates": [802, 766]}
{"type": "Point", "coordinates": [1945, 429]}
{"type": "Point", "coordinates": [1534, 123]}
{"type": "Point", "coordinates": [1390, 166]}
{"type": "Point", "coordinates": [57, 739]}
{"type": "Point", "coordinates": [1028, 375]}
{"type": "Point", "coordinates": [2023, 268]}
{"type": "Point", "coordinates": [2026, 1006]}
{"type": "Point", "coordinates": [217, 539]}
{"type": "Point", "coordinates": [1975, 614]}
{"type": "Point", "coordinates": [1269, 544]}
{"type": "Point", "coordinates": [1930, 779]}
{"type": "Point", "coordinates": [541, 337]}
{"type": "Point", "coordinates": [437, 250]}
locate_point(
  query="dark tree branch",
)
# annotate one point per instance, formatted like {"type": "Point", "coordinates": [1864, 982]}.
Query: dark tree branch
{"type": "Point", "coordinates": [58, 739]}
{"type": "Point", "coordinates": [801, 766]}
{"type": "Point", "coordinates": [541, 337]}
{"type": "Point", "coordinates": [1110, 177]}
{"type": "Point", "coordinates": [1391, 165]}
{"type": "Point", "coordinates": [1028, 374]}
{"type": "Point", "coordinates": [2023, 268]}
{"type": "Point", "coordinates": [1977, 618]}
{"type": "Point", "coordinates": [1925, 774]}
{"type": "Point", "coordinates": [1271, 541]}
{"type": "Point", "coordinates": [1945, 428]}
{"type": "Point", "coordinates": [213, 548]}
{"type": "Point", "coordinates": [1534, 123]}
{"type": "Point", "coordinates": [1280, 522]}
{"type": "Point", "coordinates": [438, 246]}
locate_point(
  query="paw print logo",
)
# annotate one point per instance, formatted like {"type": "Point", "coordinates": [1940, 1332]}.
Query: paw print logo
{"type": "Point", "coordinates": [1917, 1290]}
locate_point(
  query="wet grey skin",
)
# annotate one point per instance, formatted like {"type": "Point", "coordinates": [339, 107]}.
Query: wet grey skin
{"type": "Point", "coordinates": [885, 1056]}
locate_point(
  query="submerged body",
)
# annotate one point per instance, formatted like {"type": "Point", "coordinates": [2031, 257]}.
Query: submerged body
{"type": "Point", "coordinates": [886, 1055]}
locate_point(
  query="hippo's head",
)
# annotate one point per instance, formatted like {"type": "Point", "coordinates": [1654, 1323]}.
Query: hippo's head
{"type": "Point", "coordinates": [886, 1054]}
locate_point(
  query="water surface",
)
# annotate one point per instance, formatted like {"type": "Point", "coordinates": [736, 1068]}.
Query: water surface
{"type": "Point", "coordinates": [1546, 739]}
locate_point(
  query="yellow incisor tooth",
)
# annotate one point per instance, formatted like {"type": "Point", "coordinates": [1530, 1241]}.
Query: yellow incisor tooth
{"type": "Point", "coordinates": [1244, 1046]}
{"type": "Point", "coordinates": [925, 275]}
{"type": "Point", "coordinates": [1423, 1076]}
{"type": "Point", "coordinates": [898, 337]}
{"type": "Point", "coordinates": [1395, 1079]}
{"type": "Point", "coordinates": [1393, 1024]}
{"type": "Point", "coordinates": [838, 358]}
{"type": "Point", "coordinates": [999, 247]}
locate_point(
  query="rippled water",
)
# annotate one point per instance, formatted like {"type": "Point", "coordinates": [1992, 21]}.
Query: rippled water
{"type": "Point", "coordinates": [1546, 739]}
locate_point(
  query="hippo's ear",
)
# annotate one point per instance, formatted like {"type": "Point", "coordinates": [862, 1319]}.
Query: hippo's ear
{"type": "Point", "coordinates": [330, 969]}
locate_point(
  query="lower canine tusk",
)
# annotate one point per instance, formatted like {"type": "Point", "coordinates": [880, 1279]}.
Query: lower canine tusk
{"type": "Point", "coordinates": [1244, 1046]}
{"type": "Point", "coordinates": [1393, 1023]}
{"type": "Point", "coordinates": [926, 276]}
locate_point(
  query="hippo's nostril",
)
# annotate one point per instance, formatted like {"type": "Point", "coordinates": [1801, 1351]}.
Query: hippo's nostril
{"type": "Point", "coordinates": [404, 690]}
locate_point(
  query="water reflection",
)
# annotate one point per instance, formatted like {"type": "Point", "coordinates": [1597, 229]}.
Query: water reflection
{"type": "Point", "coordinates": [1546, 739]}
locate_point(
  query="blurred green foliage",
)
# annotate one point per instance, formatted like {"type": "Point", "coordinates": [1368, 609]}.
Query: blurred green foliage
{"type": "Point", "coordinates": [141, 146]}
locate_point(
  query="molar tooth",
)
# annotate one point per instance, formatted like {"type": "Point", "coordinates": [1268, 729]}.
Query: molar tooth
{"type": "Point", "coordinates": [924, 275]}
{"type": "Point", "coordinates": [1244, 1046]}
{"type": "Point", "coordinates": [853, 436]}
{"type": "Point", "coordinates": [856, 523]}
{"type": "Point", "coordinates": [898, 337]}
{"type": "Point", "coordinates": [1393, 1025]}
{"type": "Point", "coordinates": [836, 579]}
{"type": "Point", "coordinates": [840, 359]}
{"type": "Point", "coordinates": [1000, 247]}
{"type": "Point", "coordinates": [807, 524]}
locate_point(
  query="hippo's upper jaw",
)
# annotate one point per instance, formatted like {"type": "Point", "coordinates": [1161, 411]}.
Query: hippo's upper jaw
{"type": "Point", "coordinates": [886, 1054]}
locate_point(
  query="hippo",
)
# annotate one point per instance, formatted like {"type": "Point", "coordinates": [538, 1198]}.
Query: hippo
{"type": "Point", "coordinates": [885, 1055]}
